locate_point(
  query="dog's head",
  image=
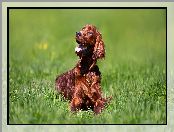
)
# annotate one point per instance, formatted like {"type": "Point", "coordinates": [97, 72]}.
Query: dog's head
{"type": "Point", "coordinates": [90, 43]}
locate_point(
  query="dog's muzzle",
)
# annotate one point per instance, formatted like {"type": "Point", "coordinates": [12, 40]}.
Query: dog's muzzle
{"type": "Point", "coordinates": [77, 49]}
{"type": "Point", "coordinates": [80, 48]}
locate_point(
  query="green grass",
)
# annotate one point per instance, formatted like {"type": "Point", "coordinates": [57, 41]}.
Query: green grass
{"type": "Point", "coordinates": [134, 71]}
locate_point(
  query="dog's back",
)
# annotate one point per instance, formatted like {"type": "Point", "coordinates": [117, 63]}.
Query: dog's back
{"type": "Point", "coordinates": [65, 83]}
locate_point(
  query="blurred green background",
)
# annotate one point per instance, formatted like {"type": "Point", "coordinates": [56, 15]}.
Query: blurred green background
{"type": "Point", "coordinates": [41, 45]}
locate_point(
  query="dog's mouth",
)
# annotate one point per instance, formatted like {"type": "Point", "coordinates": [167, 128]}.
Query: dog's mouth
{"type": "Point", "coordinates": [79, 42]}
{"type": "Point", "coordinates": [80, 48]}
{"type": "Point", "coordinates": [83, 48]}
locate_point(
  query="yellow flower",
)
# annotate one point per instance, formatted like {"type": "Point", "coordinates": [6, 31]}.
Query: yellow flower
{"type": "Point", "coordinates": [43, 45]}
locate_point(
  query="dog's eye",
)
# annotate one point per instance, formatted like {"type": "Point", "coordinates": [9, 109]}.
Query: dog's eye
{"type": "Point", "coordinates": [90, 33]}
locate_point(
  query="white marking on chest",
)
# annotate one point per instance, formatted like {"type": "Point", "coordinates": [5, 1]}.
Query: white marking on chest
{"type": "Point", "coordinates": [77, 49]}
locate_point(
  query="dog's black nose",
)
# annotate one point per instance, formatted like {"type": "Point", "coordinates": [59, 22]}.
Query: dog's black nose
{"type": "Point", "coordinates": [78, 34]}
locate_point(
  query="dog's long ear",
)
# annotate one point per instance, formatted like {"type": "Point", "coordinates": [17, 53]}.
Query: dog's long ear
{"type": "Point", "coordinates": [99, 49]}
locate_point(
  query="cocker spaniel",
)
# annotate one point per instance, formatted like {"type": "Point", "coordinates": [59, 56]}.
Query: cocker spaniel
{"type": "Point", "coordinates": [81, 85]}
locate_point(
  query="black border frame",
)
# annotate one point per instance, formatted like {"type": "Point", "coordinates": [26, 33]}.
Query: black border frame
{"type": "Point", "coordinates": [8, 9]}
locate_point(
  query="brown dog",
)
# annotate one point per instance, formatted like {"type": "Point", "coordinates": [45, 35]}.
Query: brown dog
{"type": "Point", "coordinates": [81, 85]}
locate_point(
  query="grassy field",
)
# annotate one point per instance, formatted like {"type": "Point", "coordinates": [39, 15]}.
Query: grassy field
{"type": "Point", "coordinates": [134, 71]}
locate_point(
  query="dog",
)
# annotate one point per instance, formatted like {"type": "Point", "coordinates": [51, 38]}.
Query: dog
{"type": "Point", "coordinates": [81, 85]}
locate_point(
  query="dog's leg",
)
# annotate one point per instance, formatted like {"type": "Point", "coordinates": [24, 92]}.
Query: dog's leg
{"type": "Point", "coordinates": [99, 106]}
{"type": "Point", "coordinates": [76, 102]}
{"type": "Point", "coordinates": [99, 101]}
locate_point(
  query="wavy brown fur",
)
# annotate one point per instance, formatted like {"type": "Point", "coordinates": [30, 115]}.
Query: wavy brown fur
{"type": "Point", "coordinates": [81, 85]}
